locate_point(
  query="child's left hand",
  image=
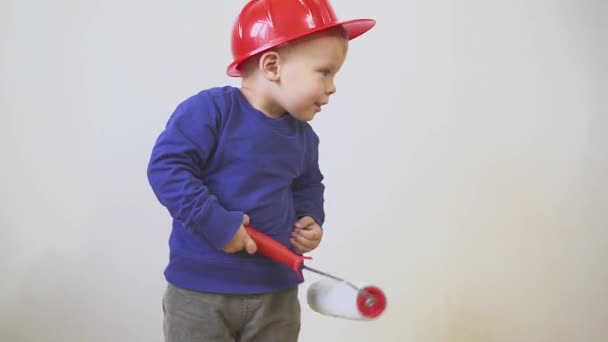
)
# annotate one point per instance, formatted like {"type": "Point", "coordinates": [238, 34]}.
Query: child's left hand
{"type": "Point", "coordinates": [306, 235]}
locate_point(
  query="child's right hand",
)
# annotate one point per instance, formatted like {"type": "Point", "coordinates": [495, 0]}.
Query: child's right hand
{"type": "Point", "coordinates": [241, 240]}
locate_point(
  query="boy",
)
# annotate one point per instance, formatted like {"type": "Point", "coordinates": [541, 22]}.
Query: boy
{"type": "Point", "coordinates": [229, 157]}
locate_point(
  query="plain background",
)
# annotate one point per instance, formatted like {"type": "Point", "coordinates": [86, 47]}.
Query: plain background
{"type": "Point", "coordinates": [465, 155]}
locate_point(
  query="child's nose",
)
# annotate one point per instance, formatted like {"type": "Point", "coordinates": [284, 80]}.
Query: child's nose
{"type": "Point", "coordinates": [331, 89]}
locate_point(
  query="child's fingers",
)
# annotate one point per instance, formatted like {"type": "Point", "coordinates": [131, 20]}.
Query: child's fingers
{"type": "Point", "coordinates": [250, 245]}
{"type": "Point", "coordinates": [306, 239]}
{"type": "Point", "coordinates": [305, 242]}
{"type": "Point", "coordinates": [305, 222]}
{"type": "Point", "coordinates": [314, 232]}
{"type": "Point", "coordinates": [299, 248]}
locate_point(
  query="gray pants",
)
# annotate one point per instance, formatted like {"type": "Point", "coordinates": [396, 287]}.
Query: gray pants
{"type": "Point", "coordinates": [191, 316]}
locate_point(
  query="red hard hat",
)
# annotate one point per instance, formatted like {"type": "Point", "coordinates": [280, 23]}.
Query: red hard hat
{"type": "Point", "coordinates": [264, 24]}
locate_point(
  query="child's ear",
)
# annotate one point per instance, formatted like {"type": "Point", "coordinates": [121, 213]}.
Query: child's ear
{"type": "Point", "coordinates": [269, 65]}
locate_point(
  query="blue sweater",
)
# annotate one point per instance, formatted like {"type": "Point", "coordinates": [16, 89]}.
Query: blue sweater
{"type": "Point", "coordinates": [217, 158]}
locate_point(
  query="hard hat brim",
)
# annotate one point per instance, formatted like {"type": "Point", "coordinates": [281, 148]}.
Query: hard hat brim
{"type": "Point", "coordinates": [354, 28]}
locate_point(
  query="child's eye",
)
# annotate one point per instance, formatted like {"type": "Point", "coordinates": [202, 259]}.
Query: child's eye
{"type": "Point", "coordinates": [325, 72]}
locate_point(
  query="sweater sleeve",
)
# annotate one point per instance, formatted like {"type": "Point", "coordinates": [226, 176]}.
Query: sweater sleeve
{"type": "Point", "coordinates": [175, 172]}
{"type": "Point", "coordinates": [308, 189]}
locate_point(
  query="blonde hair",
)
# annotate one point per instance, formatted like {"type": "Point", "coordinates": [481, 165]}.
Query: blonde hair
{"type": "Point", "coordinates": [250, 65]}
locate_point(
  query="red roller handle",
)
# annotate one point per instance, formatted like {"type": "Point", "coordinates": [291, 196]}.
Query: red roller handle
{"type": "Point", "coordinates": [274, 250]}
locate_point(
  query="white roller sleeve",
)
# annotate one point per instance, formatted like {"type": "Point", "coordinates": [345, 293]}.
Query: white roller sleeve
{"type": "Point", "coordinates": [338, 299]}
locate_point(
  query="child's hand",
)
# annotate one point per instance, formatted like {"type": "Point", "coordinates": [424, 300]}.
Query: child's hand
{"type": "Point", "coordinates": [241, 240]}
{"type": "Point", "coordinates": [306, 235]}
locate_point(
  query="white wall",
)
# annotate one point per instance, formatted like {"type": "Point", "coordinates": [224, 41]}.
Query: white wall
{"type": "Point", "coordinates": [467, 144]}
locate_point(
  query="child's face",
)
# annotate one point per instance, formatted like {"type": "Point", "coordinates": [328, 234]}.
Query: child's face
{"type": "Point", "coordinates": [307, 75]}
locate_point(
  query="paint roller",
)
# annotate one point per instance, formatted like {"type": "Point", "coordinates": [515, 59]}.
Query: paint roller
{"type": "Point", "coordinates": [332, 296]}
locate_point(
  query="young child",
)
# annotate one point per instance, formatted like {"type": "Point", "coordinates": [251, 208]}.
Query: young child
{"type": "Point", "coordinates": [231, 157]}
